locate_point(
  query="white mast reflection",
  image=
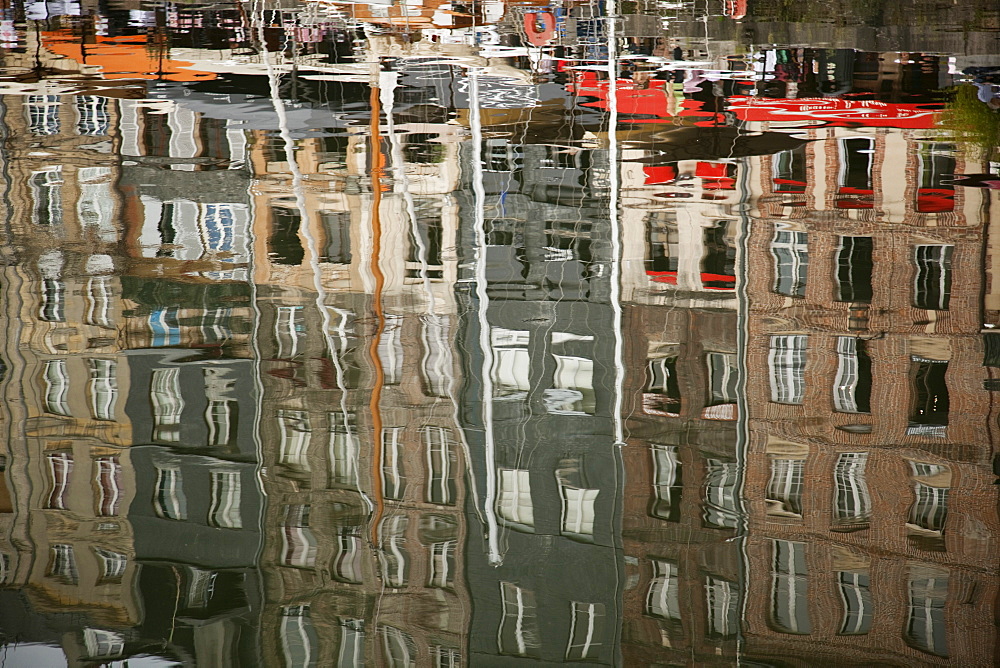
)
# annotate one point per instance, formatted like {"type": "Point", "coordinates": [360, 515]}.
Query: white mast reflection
{"type": "Point", "coordinates": [492, 538]}
{"type": "Point", "coordinates": [616, 242]}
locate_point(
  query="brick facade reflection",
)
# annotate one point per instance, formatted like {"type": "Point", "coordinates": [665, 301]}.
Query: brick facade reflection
{"type": "Point", "coordinates": [871, 512]}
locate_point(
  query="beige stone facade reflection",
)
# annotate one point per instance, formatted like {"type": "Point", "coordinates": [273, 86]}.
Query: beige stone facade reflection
{"type": "Point", "coordinates": [66, 539]}
{"type": "Point", "coordinates": [365, 531]}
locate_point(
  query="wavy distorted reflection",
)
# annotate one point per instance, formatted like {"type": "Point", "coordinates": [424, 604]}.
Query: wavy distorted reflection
{"type": "Point", "coordinates": [443, 334]}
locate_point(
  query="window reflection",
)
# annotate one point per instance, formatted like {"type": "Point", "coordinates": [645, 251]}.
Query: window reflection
{"type": "Point", "coordinates": [518, 632]}
{"type": "Point", "coordinates": [852, 388]}
{"type": "Point", "coordinates": [787, 368]}
{"type": "Point", "coordinates": [854, 270]}
{"type": "Point", "coordinates": [857, 598]}
{"type": "Point", "coordinates": [586, 631]}
{"type": "Point", "coordinates": [299, 643]}
{"type": "Point", "coordinates": [853, 504]}
{"type": "Point", "coordinates": [926, 621]}
{"type": "Point", "coordinates": [789, 588]}
{"type": "Point", "coordinates": [667, 486]}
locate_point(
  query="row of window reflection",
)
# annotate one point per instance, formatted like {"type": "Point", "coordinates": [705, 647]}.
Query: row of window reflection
{"type": "Point", "coordinates": [147, 132]}
{"type": "Point", "coordinates": [300, 644]}
{"type": "Point", "coordinates": [97, 301]}
{"type": "Point", "coordinates": [300, 548]}
{"type": "Point", "coordinates": [854, 268]}
{"type": "Point", "coordinates": [855, 186]}
{"type": "Point", "coordinates": [572, 391]}
{"type": "Point", "coordinates": [927, 589]}
{"type": "Point", "coordinates": [435, 367]}
{"type": "Point", "coordinates": [295, 434]}
{"type": "Point", "coordinates": [43, 115]}
{"type": "Point", "coordinates": [852, 387]}
{"type": "Point", "coordinates": [213, 325]}
{"type": "Point", "coordinates": [663, 396]}
{"type": "Point", "coordinates": [573, 381]}
{"type": "Point", "coordinates": [165, 397]}
{"type": "Point", "coordinates": [789, 608]}
{"type": "Point", "coordinates": [720, 505]}
{"type": "Point", "coordinates": [852, 506]}
{"type": "Point", "coordinates": [518, 632]}
{"type": "Point", "coordinates": [169, 500]}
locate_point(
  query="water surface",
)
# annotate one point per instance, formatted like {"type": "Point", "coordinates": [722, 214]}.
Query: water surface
{"type": "Point", "coordinates": [494, 334]}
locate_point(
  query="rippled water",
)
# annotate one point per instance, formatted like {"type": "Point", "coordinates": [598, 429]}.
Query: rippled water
{"type": "Point", "coordinates": [490, 334]}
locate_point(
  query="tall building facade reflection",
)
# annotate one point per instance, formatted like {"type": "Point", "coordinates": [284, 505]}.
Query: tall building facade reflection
{"type": "Point", "coordinates": [319, 352]}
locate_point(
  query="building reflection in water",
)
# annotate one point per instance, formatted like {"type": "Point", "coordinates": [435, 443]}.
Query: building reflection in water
{"type": "Point", "coordinates": [331, 369]}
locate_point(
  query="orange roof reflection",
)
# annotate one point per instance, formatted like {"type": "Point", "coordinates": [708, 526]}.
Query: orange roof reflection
{"type": "Point", "coordinates": [122, 57]}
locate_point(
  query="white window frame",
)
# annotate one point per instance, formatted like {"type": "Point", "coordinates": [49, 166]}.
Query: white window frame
{"type": "Point", "coordinates": [346, 564]}
{"type": "Point", "coordinates": [925, 256]}
{"type": "Point", "coordinates": [295, 433]}
{"type": "Point", "coordinates": [393, 472]}
{"type": "Point", "coordinates": [393, 557]}
{"type": "Point", "coordinates": [93, 118]}
{"type": "Point", "coordinates": [297, 637]}
{"type": "Point", "coordinates": [288, 329]}
{"type": "Point", "coordinates": [855, 593]}
{"type": "Point", "coordinates": [113, 565]}
{"type": "Point", "coordinates": [845, 384]}
{"type": "Point", "coordinates": [60, 469]}
{"type": "Point", "coordinates": [721, 603]}
{"type": "Point", "coordinates": [400, 650]}
{"type": "Point", "coordinates": [790, 587]}
{"type": "Point", "coordinates": [299, 545]}
{"type": "Point", "coordinates": [585, 631]}
{"type": "Point", "coordinates": [352, 643]}
{"type": "Point", "coordinates": [46, 193]}
{"type": "Point", "coordinates": [442, 564]}
{"type": "Point", "coordinates": [519, 616]}
{"type": "Point", "coordinates": [390, 349]}
{"type": "Point", "coordinates": [98, 302]}
{"type": "Point", "coordinates": [103, 644]}
{"type": "Point", "coordinates": [343, 449]}
{"type": "Point", "coordinates": [667, 472]}
{"type": "Point", "coordinates": [722, 367]}
{"type": "Point", "coordinates": [721, 480]}
{"type": "Point", "coordinates": [926, 625]}
{"type": "Point", "coordinates": [784, 489]}
{"type": "Point", "coordinates": [53, 306]}
{"type": "Point", "coordinates": [663, 595]}
{"type": "Point", "coordinates": [64, 564]}
{"type": "Point", "coordinates": [578, 511]}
